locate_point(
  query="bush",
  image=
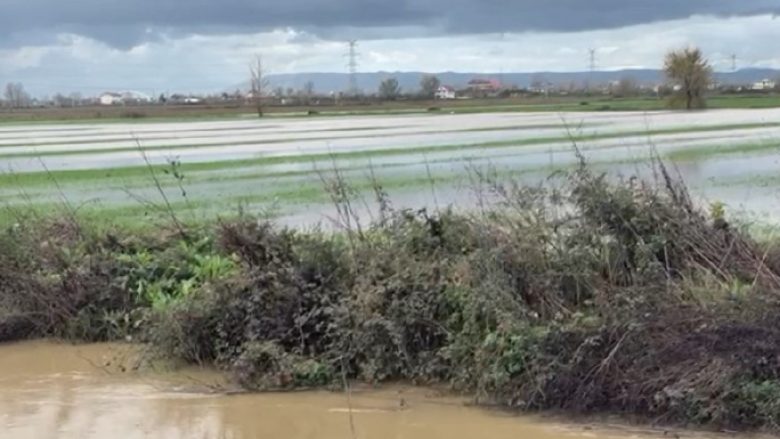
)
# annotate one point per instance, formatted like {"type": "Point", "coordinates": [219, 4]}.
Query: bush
{"type": "Point", "coordinates": [612, 305]}
{"type": "Point", "coordinates": [596, 297]}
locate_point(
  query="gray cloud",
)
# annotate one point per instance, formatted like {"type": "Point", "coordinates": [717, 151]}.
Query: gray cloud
{"type": "Point", "coordinates": [123, 23]}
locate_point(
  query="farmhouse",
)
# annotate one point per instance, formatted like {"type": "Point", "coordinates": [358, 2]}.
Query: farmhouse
{"type": "Point", "coordinates": [110, 98]}
{"type": "Point", "coordinates": [485, 85]}
{"type": "Point", "coordinates": [764, 84]}
{"type": "Point", "coordinates": [445, 92]}
{"type": "Point", "coordinates": [482, 88]}
{"type": "Point", "coordinates": [124, 98]}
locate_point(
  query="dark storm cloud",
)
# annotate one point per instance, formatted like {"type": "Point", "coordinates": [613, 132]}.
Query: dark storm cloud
{"type": "Point", "coordinates": [124, 22]}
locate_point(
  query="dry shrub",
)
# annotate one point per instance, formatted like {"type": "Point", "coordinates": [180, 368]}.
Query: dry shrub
{"type": "Point", "coordinates": [55, 281]}
{"type": "Point", "coordinates": [598, 296]}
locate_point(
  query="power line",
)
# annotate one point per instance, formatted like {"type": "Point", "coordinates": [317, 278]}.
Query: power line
{"type": "Point", "coordinates": [353, 67]}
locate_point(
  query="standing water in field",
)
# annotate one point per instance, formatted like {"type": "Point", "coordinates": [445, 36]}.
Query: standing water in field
{"type": "Point", "coordinates": [57, 391]}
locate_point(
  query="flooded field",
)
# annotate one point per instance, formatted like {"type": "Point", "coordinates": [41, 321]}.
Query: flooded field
{"type": "Point", "coordinates": [277, 165]}
{"type": "Point", "coordinates": [58, 391]}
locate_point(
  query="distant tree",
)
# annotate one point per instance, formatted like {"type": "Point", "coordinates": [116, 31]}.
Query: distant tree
{"type": "Point", "coordinates": [538, 83]}
{"type": "Point", "coordinates": [76, 98]}
{"type": "Point", "coordinates": [777, 84]}
{"type": "Point", "coordinates": [308, 91]}
{"type": "Point", "coordinates": [626, 87]}
{"type": "Point", "coordinates": [258, 83]}
{"type": "Point", "coordinates": [16, 96]}
{"type": "Point", "coordinates": [59, 100]}
{"type": "Point", "coordinates": [279, 92]}
{"type": "Point", "coordinates": [62, 101]}
{"type": "Point", "coordinates": [389, 89]}
{"type": "Point", "coordinates": [429, 84]}
{"type": "Point", "coordinates": [690, 75]}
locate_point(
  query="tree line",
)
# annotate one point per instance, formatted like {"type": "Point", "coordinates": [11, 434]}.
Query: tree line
{"type": "Point", "coordinates": [688, 73]}
{"type": "Point", "coordinates": [15, 96]}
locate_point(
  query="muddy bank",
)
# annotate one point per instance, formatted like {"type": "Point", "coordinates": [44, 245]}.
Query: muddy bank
{"type": "Point", "coordinates": [58, 391]}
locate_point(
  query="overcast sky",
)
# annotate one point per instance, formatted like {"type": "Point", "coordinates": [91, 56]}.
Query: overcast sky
{"type": "Point", "coordinates": [205, 45]}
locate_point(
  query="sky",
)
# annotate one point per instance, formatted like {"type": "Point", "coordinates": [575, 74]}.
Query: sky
{"type": "Point", "coordinates": [154, 46]}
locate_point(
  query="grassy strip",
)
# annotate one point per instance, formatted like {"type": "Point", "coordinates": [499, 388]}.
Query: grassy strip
{"type": "Point", "coordinates": [287, 189]}
{"type": "Point", "coordinates": [172, 135]}
{"type": "Point", "coordinates": [126, 120]}
{"type": "Point", "coordinates": [34, 133]}
{"type": "Point", "coordinates": [239, 143]}
{"type": "Point", "coordinates": [539, 104]}
{"type": "Point", "coordinates": [697, 152]}
{"type": "Point", "coordinates": [630, 104]}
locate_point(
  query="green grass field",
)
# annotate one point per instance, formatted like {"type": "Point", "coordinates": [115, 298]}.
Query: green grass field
{"type": "Point", "coordinates": [211, 112]}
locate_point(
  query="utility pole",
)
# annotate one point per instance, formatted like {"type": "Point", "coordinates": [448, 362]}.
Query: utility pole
{"type": "Point", "coordinates": [591, 68]}
{"type": "Point", "coordinates": [353, 66]}
{"type": "Point", "coordinates": [734, 62]}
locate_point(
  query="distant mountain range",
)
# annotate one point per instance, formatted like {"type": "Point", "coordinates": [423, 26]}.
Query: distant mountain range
{"type": "Point", "coordinates": [327, 82]}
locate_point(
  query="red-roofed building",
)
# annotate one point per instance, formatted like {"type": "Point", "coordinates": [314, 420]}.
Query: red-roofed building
{"type": "Point", "coordinates": [483, 87]}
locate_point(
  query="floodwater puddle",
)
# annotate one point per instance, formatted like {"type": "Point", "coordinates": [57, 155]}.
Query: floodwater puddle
{"type": "Point", "coordinates": [60, 391]}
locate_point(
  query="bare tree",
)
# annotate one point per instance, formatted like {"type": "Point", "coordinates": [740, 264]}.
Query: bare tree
{"type": "Point", "coordinates": [16, 96]}
{"type": "Point", "coordinates": [308, 91]}
{"type": "Point", "coordinates": [259, 83]}
{"type": "Point", "coordinates": [76, 99]}
{"type": "Point", "coordinates": [538, 83]}
{"type": "Point", "coordinates": [389, 89]}
{"type": "Point", "coordinates": [60, 100]}
{"type": "Point", "coordinates": [429, 84]}
{"type": "Point", "coordinates": [690, 74]}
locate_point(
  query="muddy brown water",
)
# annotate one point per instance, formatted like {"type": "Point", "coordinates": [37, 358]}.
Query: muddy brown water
{"type": "Point", "coordinates": [50, 390]}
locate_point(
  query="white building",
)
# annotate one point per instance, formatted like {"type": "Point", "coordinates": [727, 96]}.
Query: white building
{"type": "Point", "coordinates": [445, 92]}
{"type": "Point", "coordinates": [110, 99]}
{"type": "Point", "coordinates": [124, 98]}
{"type": "Point", "coordinates": [764, 84]}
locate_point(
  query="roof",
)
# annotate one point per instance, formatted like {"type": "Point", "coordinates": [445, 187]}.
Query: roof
{"type": "Point", "coordinates": [481, 81]}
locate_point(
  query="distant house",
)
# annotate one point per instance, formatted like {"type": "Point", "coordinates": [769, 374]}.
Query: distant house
{"type": "Point", "coordinates": [184, 99]}
{"type": "Point", "coordinates": [485, 85]}
{"type": "Point", "coordinates": [482, 88]}
{"type": "Point", "coordinates": [764, 84]}
{"type": "Point", "coordinates": [110, 99]}
{"type": "Point", "coordinates": [445, 92]}
{"type": "Point", "coordinates": [124, 98]}
{"type": "Point", "coordinates": [135, 98]}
